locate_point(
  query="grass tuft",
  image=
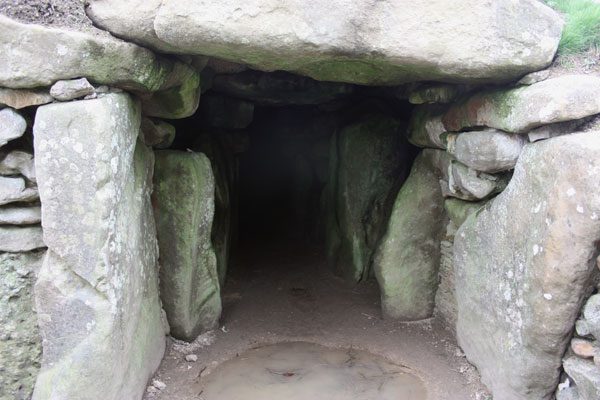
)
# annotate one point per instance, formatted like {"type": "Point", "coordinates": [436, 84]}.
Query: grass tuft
{"type": "Point", "coordinates": [582, 29]}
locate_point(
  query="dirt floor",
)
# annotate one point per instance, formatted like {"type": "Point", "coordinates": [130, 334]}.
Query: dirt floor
{"type": "Point", "coordinates": [286, 295]}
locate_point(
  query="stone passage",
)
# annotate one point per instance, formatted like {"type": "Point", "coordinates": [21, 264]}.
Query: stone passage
{"type": "Point", "coordinates": [148, 146]}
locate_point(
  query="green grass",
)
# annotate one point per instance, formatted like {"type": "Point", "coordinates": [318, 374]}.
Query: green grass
{"type": "Point", "coordinates": [582, 29]}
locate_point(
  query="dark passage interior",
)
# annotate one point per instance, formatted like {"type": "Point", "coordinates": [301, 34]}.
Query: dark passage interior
{"type": "Point", "coordinates": [305, 175]}
{"type": "Point", "coordinates": [289, 154]}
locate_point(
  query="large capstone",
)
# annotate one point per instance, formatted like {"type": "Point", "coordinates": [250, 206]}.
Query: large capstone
{"type": "Point", "coordinates": [408, 256]}
{"type": "Point", "coordinates": [97, 291]}
{"type": "Point", "coordinates": [371, 163]}
{"type": "Point", "coordinates": [184, 198]}
{"type": "Point", "coordinates": [20, 342]}
{"type": "Point", "coordinates": [359, 42]}
{"type": "Point", "coordinates": [523, 267]}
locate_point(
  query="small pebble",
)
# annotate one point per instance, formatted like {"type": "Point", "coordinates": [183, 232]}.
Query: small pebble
{"type": "Point", "coordinates": [583, 348]}
{"type": "Point", "coordinates": [191, 358]}
{"type": "Point", "coordinates": [159, 384]}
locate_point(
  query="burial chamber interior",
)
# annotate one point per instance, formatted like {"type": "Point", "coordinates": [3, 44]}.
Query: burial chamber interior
{"type": "Point", "coordinates": [281, 176]}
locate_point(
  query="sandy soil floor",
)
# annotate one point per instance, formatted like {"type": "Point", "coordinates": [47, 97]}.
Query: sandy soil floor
{"type": "Point", "coordinates": [287, 295]}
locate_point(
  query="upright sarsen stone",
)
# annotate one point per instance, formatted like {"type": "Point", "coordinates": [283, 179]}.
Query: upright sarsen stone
{"type": "Point", "coordinates": [184, 199]}
{"type": "Point", "coordinates": [523, 265]}
{"type": "Point", "coordinates": [97, 291]}
{"type": "Point", "coordinates": [408, 256]}
{"type": "Point", "coordinates": [370, 163]}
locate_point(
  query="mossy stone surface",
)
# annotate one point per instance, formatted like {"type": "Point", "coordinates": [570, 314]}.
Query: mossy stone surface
{"type": "Point", "coordinates": [371, 164]}
{"type": "Point", "coordinates": [184, 203]}
{"type": "Point", "coordinates": [408, 256]}
{"type": "Point", "coordinates": [20, 340]}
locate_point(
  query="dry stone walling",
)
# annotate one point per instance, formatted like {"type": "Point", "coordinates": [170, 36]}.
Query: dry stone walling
{"type": "Point", "coordinates": [514, 253]}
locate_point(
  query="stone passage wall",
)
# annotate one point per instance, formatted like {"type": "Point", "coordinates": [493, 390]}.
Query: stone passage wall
{"type": "Point", "coordinates": [21, 246]}
{"type": "Point", "coordinates": [522, 263]}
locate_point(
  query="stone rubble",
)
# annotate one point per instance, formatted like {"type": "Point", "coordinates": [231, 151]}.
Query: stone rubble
{"type": "Point", "coordinates": [71, 89]}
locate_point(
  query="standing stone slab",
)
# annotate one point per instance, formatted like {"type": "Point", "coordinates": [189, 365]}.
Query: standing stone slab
{"type": "Point", "coordinates": [370, 165]}
{"type": "Point", "coordinates": [523, 266]}
{"type": "Point", "coordinates": [20, 342]}
{"type": "Point", "coordinates": [224, 168]}
{"type": "Point", "coordinates": [184, 191]}
{"type": "Point", "coordinates": [97, 291]}
{"type": "Point", "coordinates": [408, 256]}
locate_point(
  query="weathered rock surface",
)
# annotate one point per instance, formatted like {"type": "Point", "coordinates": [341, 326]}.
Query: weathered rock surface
{"type": "Point", "coordinates": [224, 169]}
{"type": "Point", "coordinates": [279, 88]}
{"type": "Point", "coordinates": [554, 130]}
{"type": "Point", "coordinates": [225, 67]}
{"type": "Point", "coordinates": [590, 323]}
{"type": "Point", "coordinates": [177, 101]}
{"type": "Point", "coordinates": [349, 42]}
{"type": "Point", "coordinates": [38, 56]}
{"type": "Point", "coordinates": [226, 112]}
{"type": "Point", "coordinates": [20, 342]}
{"type": "Point", "coordinates": [489, 150]}
{"type": "Point", "coordinates": [20, 215]}
{"type": "Point", "coordinates": [436, 93]}
{"type": "Point", "coordinates": [184, 191]}
{"type": "Point", "coordinates": [12, 189]}
{"type": "Point", "coordinates": [158, 134]}
{"type": "Point", "coordinates": [467, 184]}
{"type": "Point", "coordinates": [445, 298]}
{"type": "Point", "coordinates": [459, 210]}
{"type": "Point", "coordinates": [534, 77]}
{"type": "Point", "coordinates": [18, 162]}
{"type": "Point", "coordinates": [584, 348]}
{"type": "Point", "coordinates": [586, 375]}
{"type": "Point", "coordinates": [71, 89]}
{"type": "Point", "coordinates": [425, 128]}
{"type": "Point", "coordinates": [15, 239]}
{"type": "Point", "coordinates": [97, 292]}
{"type": "Point", "coordinates": [408, 256]}
{"type": "Point", "coordinates": [519, 110]}
{"type": "Point", "coordinates": [12, 125]}
{"type": "Point", "coordinates": [568, 393]}
{"type": "Point", "coordinates": [24, 98]}
{"type": "Point", "coordinates": [370, 165]}
{"type": "Point", "coordinates": [523, 266]}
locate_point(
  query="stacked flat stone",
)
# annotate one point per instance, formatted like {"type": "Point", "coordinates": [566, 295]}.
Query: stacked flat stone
{"type": "Point", "coordinates": [21, 246]}
{"type": "Point", "coordinates": [20, 229]}
{"type": "Point", "coordinates": [582, 364]}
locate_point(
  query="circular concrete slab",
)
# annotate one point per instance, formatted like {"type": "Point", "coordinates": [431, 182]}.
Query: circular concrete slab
{"type": "Point", "coordinates": [306, 371]}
